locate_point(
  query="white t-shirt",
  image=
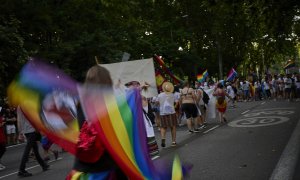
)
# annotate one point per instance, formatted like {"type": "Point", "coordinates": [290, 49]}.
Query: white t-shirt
{"type": "Point", "coordinates": [230, 91]}
{"type": "Point", "coordinates": [177, 96]}
{"type": "Point", "coordinates": [298, 84]}
{"type": "Point", "coordinates": [166, 103]}
{"type": "Point", "coordinates": [245, 86]}
{"type": "Point", "coordinates": [266, 85]}
{"type": "Point", "coordinates": [287, 82]}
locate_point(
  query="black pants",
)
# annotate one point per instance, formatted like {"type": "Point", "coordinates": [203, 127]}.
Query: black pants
{"type": "Point", "coordinates": [2, 149]}
{"type": "Point", "coordinates": [31, 144]}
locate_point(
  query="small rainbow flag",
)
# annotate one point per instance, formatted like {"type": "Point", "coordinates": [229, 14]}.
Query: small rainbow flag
{"type": "Point", "coordinates": [201, 77]}
{"type": "Point", "coordinates": [48, 99]}
{"type": "Point", "coordinates": [231, 75]}
{"type": "Point", "coordinates": [166, 70]}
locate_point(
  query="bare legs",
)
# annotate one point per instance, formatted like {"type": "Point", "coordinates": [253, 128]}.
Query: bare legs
{"type": "Point", "coordinates": [163, 132]}
{"type": "Point", "coordinates": [222, 118]}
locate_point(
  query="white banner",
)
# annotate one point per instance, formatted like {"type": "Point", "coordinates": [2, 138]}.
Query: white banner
{"type": "Point", "coordinates": [211, 107]}
{"type": "Point", "coordinates": [137, 70]}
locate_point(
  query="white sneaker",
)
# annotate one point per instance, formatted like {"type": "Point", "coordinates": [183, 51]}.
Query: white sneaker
{"type": "Point", "coordinates": [155, 157]}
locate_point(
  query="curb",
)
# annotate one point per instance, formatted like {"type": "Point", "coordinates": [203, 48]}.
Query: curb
{"type": "Point", "coordinates": [286, 165]}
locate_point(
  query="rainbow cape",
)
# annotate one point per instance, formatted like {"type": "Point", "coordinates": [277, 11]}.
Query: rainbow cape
{"type": "Point", "coordinates": [201, 77]}
{"type": "Point", "coordinates": [117, 118]}
{"type": "Point", "coordinates": [231, 75]}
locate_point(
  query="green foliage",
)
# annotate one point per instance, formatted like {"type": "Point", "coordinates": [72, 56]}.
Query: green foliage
{"type": "Point", "coordinates": [70, 33]}
{"type": "Point", "coordinates": [12, 51]}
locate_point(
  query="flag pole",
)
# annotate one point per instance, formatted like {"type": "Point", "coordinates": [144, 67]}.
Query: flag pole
{"type": "Point", "coordinates": [96, 60]}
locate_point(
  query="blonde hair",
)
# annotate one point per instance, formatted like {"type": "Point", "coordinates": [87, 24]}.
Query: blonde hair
{"type": "Point", "coordinates": [98, 75]}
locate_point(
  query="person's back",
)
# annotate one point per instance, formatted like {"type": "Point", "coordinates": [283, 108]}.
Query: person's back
{"type": "Point", "coordinates": [187, 95]}
{"type": "Point", "coordinates": [287, 82]}
{"type": "Point", "coordinates": [166, 101]}
{"type": "Point", "coordinates": [92, 159]}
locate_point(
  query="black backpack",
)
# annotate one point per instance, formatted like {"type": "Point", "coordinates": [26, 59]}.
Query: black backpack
{"type": "Point", "coordinates": [205, 97]}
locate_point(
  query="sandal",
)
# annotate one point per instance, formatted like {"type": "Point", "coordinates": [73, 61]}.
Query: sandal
{"type": "Point", "coordinates": [173, 144]}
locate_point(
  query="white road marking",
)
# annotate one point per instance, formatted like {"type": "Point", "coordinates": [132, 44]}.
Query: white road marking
{"type": "Point", "coordinates": [211, 129]}
{"type": "Point", "coordinates": [16, 145]}
{"type": "Point", "coordinates": [270, 109]}
{"type": "Point", "coordinates": [278, 112]}
{"type": "Point", "coordinates": [31, 167]}
{"type": "Point", "coordinates": [245, 112]}
{"type": "Point", "coordinates": [258, 121]}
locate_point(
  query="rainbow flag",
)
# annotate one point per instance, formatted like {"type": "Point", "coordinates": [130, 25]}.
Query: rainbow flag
{"type": "Point", "coordinates": [159, 78]}
{"type": "Point", "coordinates": [163, 67]}
{"type": "Point", "coordinates": [201, 77]}
{"type": "Point", "coordinates": [231, 75]}
{"type": "Point", "coordinates": [34, 84]}
{"type": "Point", "coordinates": [47, 97]}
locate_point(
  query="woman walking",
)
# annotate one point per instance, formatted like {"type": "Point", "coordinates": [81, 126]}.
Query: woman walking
{"type": "Point", "coordinates": [221, 103]}
{"type": "Point", "coordinates": [168, 118]}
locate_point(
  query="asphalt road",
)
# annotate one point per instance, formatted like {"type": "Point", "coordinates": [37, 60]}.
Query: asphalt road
{"type": "Point", "coordinates": [246, 148]}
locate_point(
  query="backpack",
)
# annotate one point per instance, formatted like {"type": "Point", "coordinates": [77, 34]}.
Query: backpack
{"type": "Point", "coordinates": [205, 97]}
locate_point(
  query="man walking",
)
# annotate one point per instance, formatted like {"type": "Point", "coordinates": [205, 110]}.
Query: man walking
{"type": "Point", "coordinates": [32, 136]}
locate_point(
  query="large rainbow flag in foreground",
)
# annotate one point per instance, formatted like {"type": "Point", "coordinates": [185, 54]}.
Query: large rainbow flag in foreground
{"type": "Point", "coordinates": [48, 99]}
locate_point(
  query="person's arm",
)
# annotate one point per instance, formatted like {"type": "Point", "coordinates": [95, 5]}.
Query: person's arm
{"type": "Point", "coordinates": [198, 95]}
{"type": "Point", "coordinates": [195, 98]}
